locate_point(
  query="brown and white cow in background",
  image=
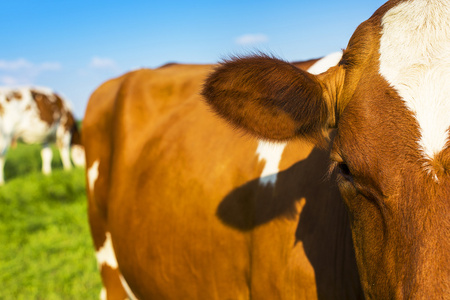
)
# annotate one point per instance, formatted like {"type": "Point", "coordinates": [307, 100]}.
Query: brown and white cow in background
{"type": "Point", "coordinates": [38, 115]}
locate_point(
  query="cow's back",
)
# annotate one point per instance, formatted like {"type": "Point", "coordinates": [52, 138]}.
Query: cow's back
{"type": "Point", "coordinates": [180, 194]}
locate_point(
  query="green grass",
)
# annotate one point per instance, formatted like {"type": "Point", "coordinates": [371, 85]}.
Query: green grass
{"type": "Point", "coordinates": [25, 159]}
{"type": "Point", "coordinates": [46, 250]}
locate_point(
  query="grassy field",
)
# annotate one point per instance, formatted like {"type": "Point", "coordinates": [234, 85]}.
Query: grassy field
{"type": "Point", "coordinates": [45, 247]}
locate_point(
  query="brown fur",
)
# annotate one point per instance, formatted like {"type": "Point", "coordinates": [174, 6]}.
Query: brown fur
{"type": "Point", "coordinates": [51, 109]}
{"type": "Point", "coordinates": [179, 192]}
{"type": "Point", "coordinates": [267, 85]}
{"type": "Point", "coordinates": [46, 107]}
{"type": "Point", "coordinates": [305, 65]}
{"type": "Point", "coordinates": [14, 95]}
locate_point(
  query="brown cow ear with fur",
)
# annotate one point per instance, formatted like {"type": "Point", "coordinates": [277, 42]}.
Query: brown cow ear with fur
{"type": "Point", "coordinates": [268, 98]}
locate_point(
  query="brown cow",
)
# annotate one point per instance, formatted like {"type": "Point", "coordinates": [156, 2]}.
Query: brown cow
{"type": "Point", "coordinates": [188, 208]}
{"type": "Point", "coordinates": [389, 99]}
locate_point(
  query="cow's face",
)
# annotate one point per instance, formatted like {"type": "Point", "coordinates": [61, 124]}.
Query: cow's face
{"type": "Point", "coordinates": [389, 99]}
{"type": "Point", "coordinates": [391, 150]}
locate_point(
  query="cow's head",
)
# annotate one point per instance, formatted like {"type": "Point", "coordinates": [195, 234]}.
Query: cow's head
{"type": "Point", "coordinates": [389, 99]}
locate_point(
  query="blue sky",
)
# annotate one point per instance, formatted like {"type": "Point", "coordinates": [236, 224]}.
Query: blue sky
{"type": "Point", "coordinates": [74, 46]}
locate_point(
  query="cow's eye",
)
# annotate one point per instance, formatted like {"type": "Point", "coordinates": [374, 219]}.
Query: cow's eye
{"type": "Point", "coordinates": [344, 170]}
{"type": "Point", "coordinates": [340, 166]}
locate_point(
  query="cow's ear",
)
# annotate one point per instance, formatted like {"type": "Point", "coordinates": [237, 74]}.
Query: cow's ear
{"type": "Point", "coordinates": [269, 98]}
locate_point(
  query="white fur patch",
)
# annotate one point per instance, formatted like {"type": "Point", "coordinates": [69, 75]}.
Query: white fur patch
{"type": "Point", "coordinates": [105, 255]}
{"type": "Point", "coordinates": [64, 146]}
{"type": "Point", "coordinates": [415, 60]}
{"type": "Point", "coordinates": [103, 294]}
{"type": "Point", "coordinates": [271, 153]}
{"type": "Point", "coordinates": [46, 156]}
{"type": "Point", "coordinates": [78, 155]}
{"type": "Point", "coordinates": [325, 63]}
{"type": "Point", "coordinates": [92, 174]}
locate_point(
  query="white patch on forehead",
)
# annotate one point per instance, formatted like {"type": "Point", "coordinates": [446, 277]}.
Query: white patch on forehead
{"type": "Point", "coordinates": [92, 174]}
{"type": "Point", "coordinates": [415, 60]}
{"type": "Point", "coordinates": [325, 63]}
{"type": "Point", "coordinates": [105, 255]}
{"type": "Point", "coordinates": [271, 153]}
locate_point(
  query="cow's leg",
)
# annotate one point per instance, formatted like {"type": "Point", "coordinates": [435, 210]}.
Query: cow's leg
{"type": "Point", "coordinates": [65, 157]}
{"type": "Point", "coordinates": [46, 155]}
{"type": "Point", "coordinates": [63, 142]}
{"type": "Point", "coordinates": [5, 142]}
{"type": "Point", "coordinates": [2, 165]}
{"type": "Point", "coordinates": [106, 258]}
{"type": "Point", "coordinates": [77, 155]}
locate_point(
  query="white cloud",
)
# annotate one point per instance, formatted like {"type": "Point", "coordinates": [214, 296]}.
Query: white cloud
{"type": "Point", "coordinates": [8, 80]}
{"type": "Point", "coordinates": [15, 65]}
{"type": "Point", "coordinates": [22, 71]}
{"type": "Point", "coordinates": [50, 66]}
{"type": "Point", "coordinates": [23, 64]}
{"type": "Point", "coordinates": [102, 63]}
{"type": "Point", "coordinates": [251, 39]}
